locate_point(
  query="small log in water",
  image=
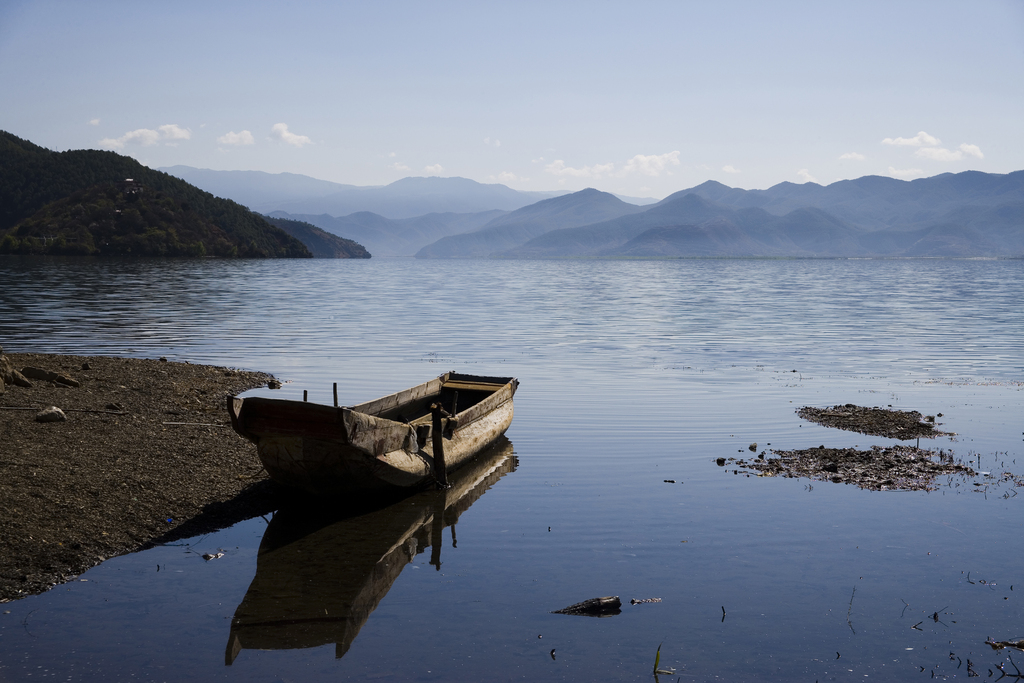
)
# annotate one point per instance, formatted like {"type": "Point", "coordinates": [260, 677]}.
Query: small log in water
{"type": "Point", "coordinates": [595, 607]}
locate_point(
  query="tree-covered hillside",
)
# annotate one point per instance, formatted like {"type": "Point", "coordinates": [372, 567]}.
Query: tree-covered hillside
{"type": "Point", "coordinates": [122, 219]}
{"type": "Point", "coordinates": [32, 177]}
{"type": "Point", "coordinates": [322, 243]}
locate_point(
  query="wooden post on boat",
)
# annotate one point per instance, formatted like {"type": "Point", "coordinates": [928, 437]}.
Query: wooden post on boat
{"type": "Point", "coordinates": [305, 395]}
{"type": "Point", "coordinates": [335, 394]}
{"type": "Point", "coordinates": [440, 472]}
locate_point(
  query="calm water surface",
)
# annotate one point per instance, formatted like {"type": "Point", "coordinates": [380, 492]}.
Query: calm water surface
{"type": "Point", "coordinates": [632, 373]}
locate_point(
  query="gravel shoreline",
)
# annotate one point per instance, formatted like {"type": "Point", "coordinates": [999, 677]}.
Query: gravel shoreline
{"type": "Point", "coordinates": [118, 476]}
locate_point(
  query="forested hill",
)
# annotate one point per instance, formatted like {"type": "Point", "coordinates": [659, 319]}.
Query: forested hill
{"type": "Point", "coordinates": [167, 217]}
{"type": "Point", "coordinates": [322, 243]}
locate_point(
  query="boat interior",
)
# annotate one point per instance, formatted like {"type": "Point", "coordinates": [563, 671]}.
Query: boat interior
{"type": "Point", "coordinates": [455, 392]}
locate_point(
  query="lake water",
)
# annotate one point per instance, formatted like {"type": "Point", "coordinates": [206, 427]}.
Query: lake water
{"type": "Point", "coordinates": [632, 373]}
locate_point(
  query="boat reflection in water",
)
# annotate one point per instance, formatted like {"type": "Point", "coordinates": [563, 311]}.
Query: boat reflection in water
{"type": "Point", "coordinates": [317, 580]}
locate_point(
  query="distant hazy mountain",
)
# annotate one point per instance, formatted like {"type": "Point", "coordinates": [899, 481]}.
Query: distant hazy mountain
{"type": "Point", "coordinates": [968, 214]}
{"type": "Point", "coordinates": [405, 198]}
{"type": "Point", "coordinates": [512, 229]}
{"type": "Point", "coordinates": [748, 233]}
{"type": "Point", "coordinates": [877, 202]}
{"type": "Point", "coordinates": [258, 190]}
{"type": "Point", "coordinates": [401, 237]}
{"type": "Point", "coordinates": [599, 238]}
{"type": "Point", "coordinates": [964, 214]}
{"type": "Point", "coordinates": [638, 201]}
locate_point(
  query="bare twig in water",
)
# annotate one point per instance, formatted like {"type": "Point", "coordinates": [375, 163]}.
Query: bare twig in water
{"type": "Point", "coordinates": [850, 610]}
{"type": "Point", "coordinates": [1019, 676]}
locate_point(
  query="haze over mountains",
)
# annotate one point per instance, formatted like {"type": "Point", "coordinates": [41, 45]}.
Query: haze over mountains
{"type": "Point", "coordinates": [510, 230]}
{"type": "Point", "coordinates": [395, 237]}
{"type": "Point", "coordinates": [392, 220]}
{"type": "Point", "coordinates": [952, 215]}
{"type": "Point", "coordinates": [405, 198]}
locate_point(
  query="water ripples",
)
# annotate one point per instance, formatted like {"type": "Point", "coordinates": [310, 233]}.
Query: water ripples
{"type": "Point", "coordinates": [940, 317]}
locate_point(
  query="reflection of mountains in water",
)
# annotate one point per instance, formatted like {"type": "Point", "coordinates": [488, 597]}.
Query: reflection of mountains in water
{"type": "Point", "coordinates": [317, 580]}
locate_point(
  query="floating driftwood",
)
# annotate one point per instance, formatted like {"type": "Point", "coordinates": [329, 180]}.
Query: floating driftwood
{"type": "Point", "coordinates": [595, 607]}
{"type": "Point", "coordinates": [892, 424]}
{"type": "Point", "coordinates": [1017, 644]}
{"type": "Point", "coordinates": [896, 468]}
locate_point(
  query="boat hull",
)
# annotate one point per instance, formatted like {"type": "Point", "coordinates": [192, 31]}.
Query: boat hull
{"type": "Point", "coordinates": [328, 450]}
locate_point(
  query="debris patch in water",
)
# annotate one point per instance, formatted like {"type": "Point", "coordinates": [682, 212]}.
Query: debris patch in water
{"type": "Point", "coordinates": [892, 424]}
{"type": "Point", "coordinates": [892, 468]}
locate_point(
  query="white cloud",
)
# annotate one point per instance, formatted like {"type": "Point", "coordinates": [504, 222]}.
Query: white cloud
{"type": "Point", "coordinates": [852, 155]}
{"type": "Point", "coordinates": [399, 166]}
{"type": "Point", "coordinates": [392, 155]}
{"type": "Point", "coordinates": [172, 131]}
{"type": "Point", "coordinates": [730, 169]}
{"type": "Point", "coordinates": [652, 164]}
{"type": "Point", "coordinates": [905, 173]}
{"type": "Point", "coordinates": [509, 177]}
{"type": "Point", "coordinates": [496, 142]}
{"type": "Point", "coordinates": [537, 160]}
{"type": "Point", "coordinates": [436, 169]}
{"type": "Point", "coordinates": [281, 132]}
{"type": "Point", "coordinates": [972, 150]}
{"type": "Point", "coordinates": [94, 122]}
{"type": "Point", "coordinates": [645, 164]}
{"type": "Point", "coordinates": [558, 167]}
{"type": "Point", "coordinates": [805, 176]}
{"type": "Point", "coordinates": [142, 136]}
{"type": "Point", "coordinates": [938, 154]}
{"type": "Point", "coordinates": [241, 138]}
{"type": "Point", "coordinates": [148, 137]}
{"type": "Point", "coordinates": [922, 139]}
{"type": "Point", "coordinates": [942, 154]}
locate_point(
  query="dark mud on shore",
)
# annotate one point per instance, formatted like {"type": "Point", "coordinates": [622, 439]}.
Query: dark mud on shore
{"type": "Point", "coordinates": [116, 477]}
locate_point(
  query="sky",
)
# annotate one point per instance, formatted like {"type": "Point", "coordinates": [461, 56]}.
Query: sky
{"type": "Point", "coordinates": [641, 98]}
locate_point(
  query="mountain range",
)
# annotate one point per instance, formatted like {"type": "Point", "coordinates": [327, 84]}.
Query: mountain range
{"type": "Point", "coordinates": [964, 214]}
{"type": "Point", "coordinates": [91, 202]}
{"type": "Point", "coordinates": [510, 230]}
{"type": "Point", "coordinates": [969, 214]}
{"type": "Point", "coordinates": [389, 220]}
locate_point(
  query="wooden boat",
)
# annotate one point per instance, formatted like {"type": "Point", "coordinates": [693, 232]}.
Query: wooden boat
{"type": "Point", "coordinates": [399, 442]}
{"type": "Point", "coordinates": [319, 579]}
